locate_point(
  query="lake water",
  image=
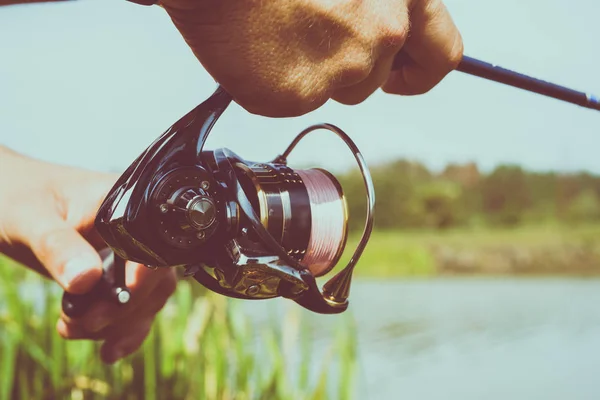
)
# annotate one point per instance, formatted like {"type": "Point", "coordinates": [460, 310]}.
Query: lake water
{"type": "Point", "coordinates": [472, 338]}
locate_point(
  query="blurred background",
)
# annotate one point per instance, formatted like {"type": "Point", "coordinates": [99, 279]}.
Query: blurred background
{"type": "Point", "coordinates": [480, 280]}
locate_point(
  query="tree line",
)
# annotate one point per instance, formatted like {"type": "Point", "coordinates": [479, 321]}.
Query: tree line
{"type": "Point", "coordinates": [409, 195]}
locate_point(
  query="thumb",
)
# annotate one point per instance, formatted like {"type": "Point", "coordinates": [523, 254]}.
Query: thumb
{"type": "Point", "coordinates": [67, 256]}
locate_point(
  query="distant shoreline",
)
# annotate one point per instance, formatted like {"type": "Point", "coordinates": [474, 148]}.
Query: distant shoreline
{"type": "Point", "coordinates": [524, 251]}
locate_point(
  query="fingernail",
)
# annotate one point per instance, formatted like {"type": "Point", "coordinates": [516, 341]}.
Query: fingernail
{"type": "Point", "coordinates": [76, 267]}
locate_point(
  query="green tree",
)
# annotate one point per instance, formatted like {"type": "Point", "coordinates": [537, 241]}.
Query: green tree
{"type": "Point", "coordinates": [505, 195]}
{"type": "Point", "coordinates": [585, 207]}
{"type": "Point", "coordinates": [440, 203]}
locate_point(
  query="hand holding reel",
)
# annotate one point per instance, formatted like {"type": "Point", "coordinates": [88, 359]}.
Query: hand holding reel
{"type": "Point", "coordinates": [243, 229]}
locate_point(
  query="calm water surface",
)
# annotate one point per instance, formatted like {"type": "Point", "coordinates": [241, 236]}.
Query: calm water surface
{"type": "Point", "coordinates": [471, 338]}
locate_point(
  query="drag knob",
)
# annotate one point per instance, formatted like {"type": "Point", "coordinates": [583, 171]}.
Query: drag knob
{"type": "Point", "coordinates": [196, 210]}
{"type": "Point", "coordinates": [201, 212]}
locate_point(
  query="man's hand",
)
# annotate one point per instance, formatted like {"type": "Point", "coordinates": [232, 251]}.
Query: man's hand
{"type": "Point", "coordinates": [286, 58]}
{"type": "Point", "coordinates": [46, 222]}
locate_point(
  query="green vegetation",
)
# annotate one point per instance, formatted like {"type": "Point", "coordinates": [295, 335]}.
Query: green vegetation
{"type": "Point", "coordinates": [409, 196]}
{"type": "Point", "coordinates": [540, 249]}
{"type": "Point", "coordinates": [461, 220]}
{"type": "Point", "coordinates": [202, 347]}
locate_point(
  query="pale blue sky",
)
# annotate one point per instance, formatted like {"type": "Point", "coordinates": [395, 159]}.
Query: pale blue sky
{"type": "Point", "coordinates": [93, 82]}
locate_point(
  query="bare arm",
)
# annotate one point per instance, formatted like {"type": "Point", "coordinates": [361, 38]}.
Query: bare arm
{"type": "Point", "coordinates": [47, 223]}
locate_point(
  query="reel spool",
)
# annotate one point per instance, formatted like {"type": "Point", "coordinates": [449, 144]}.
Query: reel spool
{"type": "Point", "coordinates": [244, 229]}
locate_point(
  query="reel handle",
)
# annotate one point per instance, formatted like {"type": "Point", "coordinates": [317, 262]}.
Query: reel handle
{"type": "Point", "coordinates": [111, 286]}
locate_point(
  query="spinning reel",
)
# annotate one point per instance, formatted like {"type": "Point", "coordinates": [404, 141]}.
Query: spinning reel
{"type": "Point", "coordinates": [244, 229]}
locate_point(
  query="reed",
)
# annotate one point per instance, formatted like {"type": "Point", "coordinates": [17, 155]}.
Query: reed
{"type": "Point", "coordinates": [201, 347]}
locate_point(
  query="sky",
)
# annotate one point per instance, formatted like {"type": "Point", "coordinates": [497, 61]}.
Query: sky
{"type": "Point", "coordinates": [92, 83]}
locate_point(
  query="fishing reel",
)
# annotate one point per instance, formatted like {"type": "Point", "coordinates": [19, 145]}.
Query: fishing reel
{"type": "Point", "coordinates": [244, 229]}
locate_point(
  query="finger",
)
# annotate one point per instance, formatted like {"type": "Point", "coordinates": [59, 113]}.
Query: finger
{"type": "Point", "coordinates": [141, 281]}
{"type": "Point", "coordinates": [150, 289]}
{"type": "Point", "coordinates": [360, 92]}
{"type": "Point", "coordinates": [124, 342]}
{"type": "Point", "coordinates": [391, 37]}
{"type": "Point", "coordinates": [120, 340]}
{"type": "Point", "coordinates": [73, 330]}
{"type": "Point", "coordinates": [63, 252]}
{"type": "Point", "coordinates": [433, 49]}
{"type": "Point", "coordinates": [128, 323]}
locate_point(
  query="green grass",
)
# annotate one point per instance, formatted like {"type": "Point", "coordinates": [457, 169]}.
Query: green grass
{"type": "Point", "coordinates": [202, 347]}
{"type": "Point", "coordinates": [392, 254]}
{"type": "Point", "coordinates": [416, 253]}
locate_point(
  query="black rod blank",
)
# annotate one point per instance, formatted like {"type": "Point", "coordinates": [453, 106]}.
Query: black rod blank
{"type": "Point", "coordinates": [492, 72]}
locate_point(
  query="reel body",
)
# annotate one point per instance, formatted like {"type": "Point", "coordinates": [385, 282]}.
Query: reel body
{"type": "Point", "coordinates": [244, 229]}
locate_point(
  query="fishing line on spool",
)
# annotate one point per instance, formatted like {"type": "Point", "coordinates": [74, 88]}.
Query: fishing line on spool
{"type": "Point", "coordinates": [329, 214]}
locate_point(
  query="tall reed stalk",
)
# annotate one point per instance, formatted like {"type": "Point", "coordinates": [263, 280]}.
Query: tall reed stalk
{"type": "Point", "coordinates": [201, 347]}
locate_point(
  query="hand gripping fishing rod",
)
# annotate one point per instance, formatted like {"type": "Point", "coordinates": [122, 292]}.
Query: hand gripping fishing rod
{"type": "Point", "coordinates": [244, 229]}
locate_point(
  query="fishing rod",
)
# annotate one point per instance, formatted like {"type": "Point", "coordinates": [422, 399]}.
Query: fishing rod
{"type": "Point", "coordinates": [492, 72]}
{"type": "Point", "coordinates": [498, 74]}
{"type": "Point", "coordinates": [245, 229]}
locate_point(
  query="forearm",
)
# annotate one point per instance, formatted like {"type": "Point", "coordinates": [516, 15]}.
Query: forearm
{"type": "Point", "coordinates": [11, 249]}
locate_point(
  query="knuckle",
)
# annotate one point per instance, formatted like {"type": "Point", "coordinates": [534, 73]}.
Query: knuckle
{"type": "Point", "coordinates": [357, 71]}
{"type": "Point", "coordinates": [432, 10]}
{"type": "Point", "coordinates": [353, 97]}
{"type": "Point", "coordinates": [392, 36]}
{"type": "Point", "coordinates": [354, 69]}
